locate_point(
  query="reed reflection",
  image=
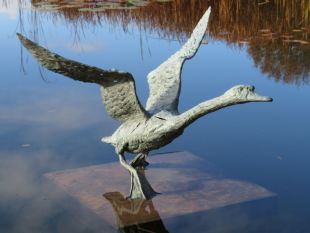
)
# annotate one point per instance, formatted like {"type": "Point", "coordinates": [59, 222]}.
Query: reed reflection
{"type": "Point", "coordinates": [135, 216]}
{"type": "Point", "coordinates": [160, 122]}
{"type": "Point", "coordinates": [275, 33]}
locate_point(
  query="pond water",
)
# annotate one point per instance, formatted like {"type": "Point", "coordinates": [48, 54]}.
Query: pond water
{"type": "Point", "coordinates": [50, 123]}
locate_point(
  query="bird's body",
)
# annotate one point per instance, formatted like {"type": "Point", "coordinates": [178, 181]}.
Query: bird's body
{"type": "Point", "coordinates": [144, 135]}
{"type": "Point", "coordinates": [147, 128]}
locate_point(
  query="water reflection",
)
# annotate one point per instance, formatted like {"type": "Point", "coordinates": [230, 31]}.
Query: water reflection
{"type": "Point", "coordinates": [92, 6]}
{"type": "Point", "coordinates": [135, 216]}
{"type": "Point", "coordinates": [289, 177]}
{"type": "Point", "coordinates": [159, 123]}
{"type": "Point", "coordinates": [276, 33]}
{"type": "Point", "coordinates": [29, 203]}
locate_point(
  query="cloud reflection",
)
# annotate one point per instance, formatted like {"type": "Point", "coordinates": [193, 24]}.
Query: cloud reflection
{"type": "Point", "coordinates": [28, 203]}
{"type": "Point", "coordinates": [63, 111]}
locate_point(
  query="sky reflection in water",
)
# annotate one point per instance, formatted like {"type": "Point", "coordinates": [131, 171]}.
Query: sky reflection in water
{"type": "Point", "coordinates": [53, 123]}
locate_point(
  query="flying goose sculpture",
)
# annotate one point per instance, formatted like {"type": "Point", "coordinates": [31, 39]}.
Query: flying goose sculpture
{"type": "Point", "coordinates": [145, 129]}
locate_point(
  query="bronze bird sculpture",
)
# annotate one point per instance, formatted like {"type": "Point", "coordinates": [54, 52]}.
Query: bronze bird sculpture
{"type": "Point", "coordinates": [145, 129]}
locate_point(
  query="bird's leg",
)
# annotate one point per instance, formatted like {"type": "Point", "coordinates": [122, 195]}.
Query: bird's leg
{"type": "Point", "coordinates": [139, 161]}
{"type": "Point", "coordinates": [135, 189]}
{"type": "Point", "coordinates": [140, 187]}
{"type": "Point", "coordinates": [136, 159]}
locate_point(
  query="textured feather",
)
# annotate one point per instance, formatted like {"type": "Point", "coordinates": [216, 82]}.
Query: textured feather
{"type": "Point", "coordinates": [117, 88]}
{"type": "Point", "coordinates": [164, 81]}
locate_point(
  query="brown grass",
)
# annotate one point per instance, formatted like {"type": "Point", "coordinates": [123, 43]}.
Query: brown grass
{"type": "Point", "coordinates": [277, 32]}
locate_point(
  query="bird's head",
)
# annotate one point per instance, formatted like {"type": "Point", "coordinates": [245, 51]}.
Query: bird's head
{"type": "Point", "coordinates": [246, 94]}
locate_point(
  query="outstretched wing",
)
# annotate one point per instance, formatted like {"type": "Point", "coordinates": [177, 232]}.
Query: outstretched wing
{"type": "Point", "coordinates": [117, 88]}
{"type": "Point", "coordinates": [164, 81]}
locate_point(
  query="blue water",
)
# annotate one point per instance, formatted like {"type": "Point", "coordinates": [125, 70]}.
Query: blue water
{"type": "Point", "coordinates": [50, 123]}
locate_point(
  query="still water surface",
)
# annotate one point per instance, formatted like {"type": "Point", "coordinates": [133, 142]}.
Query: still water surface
{"type": "Point", "coordinates": [50, 123]}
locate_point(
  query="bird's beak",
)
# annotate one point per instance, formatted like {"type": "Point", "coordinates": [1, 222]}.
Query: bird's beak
{"type": "Point", "coordinates": [244, 93]}
{"type": "Point", "coordinates": [253, 96]}
{"type": "Point", "coordinates": [259, 98]}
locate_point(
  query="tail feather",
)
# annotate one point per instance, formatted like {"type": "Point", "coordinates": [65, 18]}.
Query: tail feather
{"type": "Point", "coordinates": [107, 140]}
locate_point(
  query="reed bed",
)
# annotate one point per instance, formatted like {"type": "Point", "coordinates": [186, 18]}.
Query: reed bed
{"type": "Point", "coordinates": [276, 33]}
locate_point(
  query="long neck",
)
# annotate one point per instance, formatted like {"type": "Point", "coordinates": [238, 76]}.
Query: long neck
{"type": "Point", "coordinates": [204, 108]}
{"type": "Point", "coordinates": [239, 94]}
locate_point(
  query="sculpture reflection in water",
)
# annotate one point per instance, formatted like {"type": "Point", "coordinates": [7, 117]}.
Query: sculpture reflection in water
{"type": "Point", "coordinates": [145, 129]}
{"type": "Point", "coordinates": [135, 215]}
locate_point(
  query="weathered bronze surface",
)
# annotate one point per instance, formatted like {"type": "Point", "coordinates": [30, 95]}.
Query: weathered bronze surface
{"type": "Point", "coordinates": [159, 123]}
{"type": "Point", "coordinates": [187, 183]}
